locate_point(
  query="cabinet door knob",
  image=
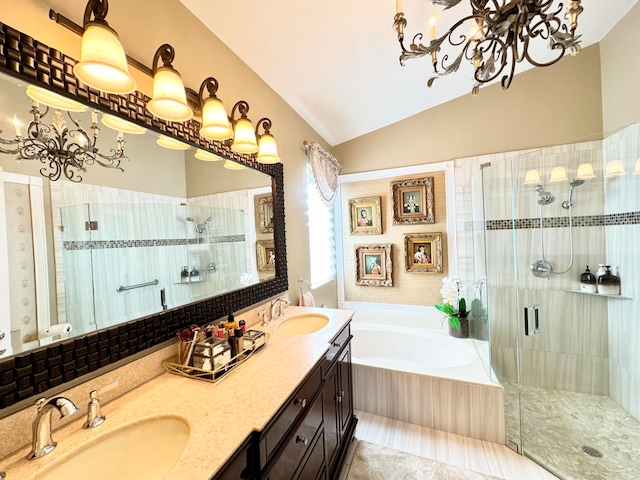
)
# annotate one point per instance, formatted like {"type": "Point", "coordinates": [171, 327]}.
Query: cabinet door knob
{"type": "Point", "coordinates": [301, 402]}
{"type": "Point", "coordinates": [336, 344]}
{"type": "Point", "coordinates": [1, 335]}
{"type": "Point", "coordinates": [304, 441]}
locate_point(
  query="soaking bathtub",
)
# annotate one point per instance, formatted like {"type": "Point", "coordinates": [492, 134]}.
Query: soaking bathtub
{"type": "Point", "coordinates": [412, 370]}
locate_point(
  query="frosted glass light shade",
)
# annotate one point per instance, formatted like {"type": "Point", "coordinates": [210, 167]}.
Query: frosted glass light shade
{"type": "Point", "coordinates": [206, 156]}
{"type": "Point", "coordinates": [103, 64]}
{"type": "Point", "coordinates": [172, 143]}
{"type": "Point", "coordinates": [615, 168]}
{"type": "Point", "coordinates": [585, 172]}
{"type": "Point", "coordinates": [120, 125]}
{"type": "Point", "coordinates": [215, 122]}
{"type": "Point", "coordinates": [244, 137]}
{"type": "Point", "coordinates": [231, 165]}
{"type": "Point", "coordinates": [169, 100]}
{"type": "Point", "coordinates": [54, 100]}
{"type": "Point", "coordinates": [558, 174]}
{"type": "Point", "coordinates": [532, 177]}
{"type": "Point", "coordinates": [636, 170]}
{"type": "Point", "coordinates": [267, 149]}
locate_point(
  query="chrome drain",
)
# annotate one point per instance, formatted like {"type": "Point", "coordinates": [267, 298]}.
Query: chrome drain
{"type": "Point", "coordinates": [592, 452]}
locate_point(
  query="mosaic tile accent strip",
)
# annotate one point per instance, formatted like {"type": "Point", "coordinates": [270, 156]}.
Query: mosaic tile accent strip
{"type": "Point", "coordinates": [103, 244]}
{"type": "Point", "coordinates": [629, 218]}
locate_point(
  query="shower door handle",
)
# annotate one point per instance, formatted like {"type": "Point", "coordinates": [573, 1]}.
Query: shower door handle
{"type": "Point", "coordinates": [531, 320]}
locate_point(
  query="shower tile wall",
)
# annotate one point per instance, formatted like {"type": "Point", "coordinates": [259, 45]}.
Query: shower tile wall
{"type": "Point", "coordinates": [623, 196]}
{"type": "Point", "coordinates": [161, 219]}
{"type": "Point", "coordinates": [572, 351]}
{"type": "Point", "coordinates": [21, 262]}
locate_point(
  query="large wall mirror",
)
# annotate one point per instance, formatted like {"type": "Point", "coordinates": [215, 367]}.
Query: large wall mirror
{"type": "Point", "coordinates": [181, 233]}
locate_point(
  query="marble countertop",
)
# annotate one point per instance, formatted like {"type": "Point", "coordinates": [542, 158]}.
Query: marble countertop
{"type": "Point", "coordinates": [218, 426]}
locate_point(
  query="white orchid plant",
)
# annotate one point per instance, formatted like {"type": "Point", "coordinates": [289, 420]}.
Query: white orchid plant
{"type": "Point", "coordinates": [453, 304]}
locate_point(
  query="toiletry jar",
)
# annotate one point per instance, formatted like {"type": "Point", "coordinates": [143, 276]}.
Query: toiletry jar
{"type": "Point", "coordinates": [253, 340]}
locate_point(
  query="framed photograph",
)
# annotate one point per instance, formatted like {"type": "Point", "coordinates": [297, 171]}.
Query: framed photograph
{"type": "Point", "coordinates": [365, 217]}
{"type": "Point", "coordinates": [266, 255]}
{"type": "Point", "coordinates": [413, 201]}
{"type": "Point", "coordinates": [423, 252]}
{"type": "Point", "coordinates": [374, 265]}
{"type": "Point", "coordinates": [264, 206]}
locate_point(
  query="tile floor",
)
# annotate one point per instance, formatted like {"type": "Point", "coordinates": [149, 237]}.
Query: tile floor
{"type": "Point", "coordinates": [485, 457]}
{"type": "Point", "coordinates": [558, 424]}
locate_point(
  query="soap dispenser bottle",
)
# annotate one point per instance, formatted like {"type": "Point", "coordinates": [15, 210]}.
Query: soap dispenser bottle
{"type": "Point", "coordinates": [588, 282]}
{"type": "Point", "coordinates": [184, 274]}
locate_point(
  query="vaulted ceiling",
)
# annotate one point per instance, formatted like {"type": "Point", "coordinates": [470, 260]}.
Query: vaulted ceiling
{"type": "Point", "coordinates": [336, 62]}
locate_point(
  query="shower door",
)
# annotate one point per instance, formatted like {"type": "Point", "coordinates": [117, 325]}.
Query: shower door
{"type": "Point", "coordinates": [555, 369]}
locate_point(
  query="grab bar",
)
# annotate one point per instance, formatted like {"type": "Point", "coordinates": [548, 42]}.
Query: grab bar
{"type": "Point", "coordinates": [131, 287]}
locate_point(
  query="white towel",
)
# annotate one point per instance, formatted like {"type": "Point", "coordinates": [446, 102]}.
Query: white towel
{"type": "Point", "coordinates": [306, 300]}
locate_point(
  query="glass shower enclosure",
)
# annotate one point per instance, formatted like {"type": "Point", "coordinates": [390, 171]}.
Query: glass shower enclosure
{"type": "Point", "coordinates": [569, 360]}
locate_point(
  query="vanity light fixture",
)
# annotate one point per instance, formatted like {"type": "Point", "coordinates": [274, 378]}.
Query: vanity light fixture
{"type": "Point", "coordinates": [636, 170]}
{"type": "Point", "coordinates": [120, 125]}
{"type": "Point", "coordinates": [50, 99]}
{"type": "Point", "coordinates": [62, 149]}
{"type": "Point", "coordinates": [532, 177]}
{"type": "Point", "coordinates": [169, 100]}
{"type": "Point", "coordinates": [615, 168]}
{"type": "Point", "coordinates": [103, 64]}
{"type": "Point", "coordinates": [585, 172]}
{"type": "Point", "coordinates": [267, 149]}
{"type": "Point", "coordinates": [494, 35]}
{"type": "Point", "coordinates": [215, 122]}
{"type": "Point", "coordinates": [206, 156]}
{"type": "Point", "coordinates": [231, 165]}
{"type": "Point", "coordinates": [171, 143]}
{"type": "Point", "coordinates": [244, 137]}
{"type": "Point", "coordinates": [558, 174]}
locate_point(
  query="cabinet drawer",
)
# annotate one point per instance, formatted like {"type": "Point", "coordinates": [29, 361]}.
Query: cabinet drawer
{"type": "Point", "coordinates": [300, 442]}
{"type": "Point", "coordinates": [313, 467]}
{"type": "Point", "coordinates": [295, 406]}
{"type": "Point", "coordinates": [336, 345]}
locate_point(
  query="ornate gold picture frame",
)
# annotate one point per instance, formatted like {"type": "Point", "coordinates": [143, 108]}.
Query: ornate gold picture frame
{"type": "Point", "coordinates": [365, 217]}
{"type": "Point", "coordinates": [413, 201]}
{"type": "Point", "coordinates": [423, 252]}
{"type": "Point", "coordinates": [374, 265]}
{"type": "Point", "coordinates": [264, 207]}
{"type": "Point", "coordinates": [266, 255]}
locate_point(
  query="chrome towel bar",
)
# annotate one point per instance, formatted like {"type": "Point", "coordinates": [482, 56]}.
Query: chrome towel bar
{"type": "Point", "coordinates": [140, 285]}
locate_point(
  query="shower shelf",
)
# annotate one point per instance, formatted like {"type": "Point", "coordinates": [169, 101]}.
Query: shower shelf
{"type": "Point", "coordinates": [622, 297]}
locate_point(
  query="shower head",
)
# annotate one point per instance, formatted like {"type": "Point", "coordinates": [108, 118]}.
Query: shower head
{"type": "Point", "coordinates": [545, 198]}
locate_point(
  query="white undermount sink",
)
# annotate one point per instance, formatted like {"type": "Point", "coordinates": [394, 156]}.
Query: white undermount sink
{"type": "Point", "coordinates": [302, 324]}
{"type": "Point", "coordinates": [147, 450]}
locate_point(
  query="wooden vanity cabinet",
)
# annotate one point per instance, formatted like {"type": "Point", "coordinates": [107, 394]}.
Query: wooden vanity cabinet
{"type": "Point", "coordinates": [337, 400]}
{"type": "Point", "coordinates": [308, 438]}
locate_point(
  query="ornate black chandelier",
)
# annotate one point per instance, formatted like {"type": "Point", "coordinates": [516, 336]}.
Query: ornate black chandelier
{"type": "Point", "coordinates": [63, 150]}
{"type": "Point", "coordinates": [496, 35]}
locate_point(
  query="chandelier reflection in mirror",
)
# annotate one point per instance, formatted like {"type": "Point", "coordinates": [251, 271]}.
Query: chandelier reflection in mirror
{"type": "Point", "coordinates": [496, 36]}
{"type": "Point", "coordinates": [65, 150]}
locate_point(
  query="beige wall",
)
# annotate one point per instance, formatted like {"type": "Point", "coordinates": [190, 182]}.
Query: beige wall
{"type": "Point", "coordinates": [544, 106]}
{"type": "Point", "coordinates": [621, 73]}
{"type": "Point", "coordinates": [408, 288]}
{"type": "Point", "coordinates": [143, 25]}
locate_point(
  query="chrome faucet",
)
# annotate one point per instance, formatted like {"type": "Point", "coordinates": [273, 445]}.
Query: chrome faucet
{"type": "Point", "coordinates": [283, 303]}
{"type": "Point", "coordinates": [42, 441]}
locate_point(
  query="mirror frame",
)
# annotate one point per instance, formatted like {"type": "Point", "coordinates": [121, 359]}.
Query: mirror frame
{"type": "Point", "coordinates": [22, 376]}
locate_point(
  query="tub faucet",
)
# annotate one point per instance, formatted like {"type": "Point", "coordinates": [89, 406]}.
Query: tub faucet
{"type": "Point", "coordinates": [42, 441]}
{"type": "Point", "coordinates": [283, 303]}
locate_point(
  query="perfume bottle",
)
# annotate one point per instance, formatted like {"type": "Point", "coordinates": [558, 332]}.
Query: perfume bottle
{"type": "Point", "coordinates": [588, 282]}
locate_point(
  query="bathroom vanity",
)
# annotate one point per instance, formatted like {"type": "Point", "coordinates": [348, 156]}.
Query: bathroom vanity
{"type": "Point", "coordinates": [286, 413]}
{"type": "Point", "coordinates": [309, 435]}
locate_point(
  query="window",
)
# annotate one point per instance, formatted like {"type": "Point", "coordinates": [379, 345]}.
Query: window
{"type": "Point", "coordinates": [322, 244]}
